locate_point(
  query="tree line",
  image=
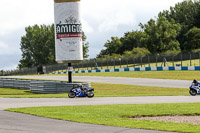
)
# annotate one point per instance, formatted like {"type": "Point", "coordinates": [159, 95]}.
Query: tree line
{"type": "Point", "coordinates": [171, 32]}
{"type": "Point", "coordinates": [38, 46]}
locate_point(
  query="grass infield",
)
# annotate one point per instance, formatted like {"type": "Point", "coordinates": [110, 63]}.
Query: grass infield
{"type": "Point", "coordinates": [102, 90]}
{"type": "Point", "coordinates": [119, 115]}
{"type": "Point", "coordinates": [180, 75]}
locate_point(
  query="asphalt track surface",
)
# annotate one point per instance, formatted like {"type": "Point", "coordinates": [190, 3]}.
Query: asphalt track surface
{"type": "Point", "coordinates": [22, 123]}
{"type": "Point", "coordinates": [119, 80]}
{"type": "Point", "coordinates": [36, 102]}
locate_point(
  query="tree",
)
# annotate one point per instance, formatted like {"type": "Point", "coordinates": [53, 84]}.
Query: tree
{"type": "Point", "coordinates": [184, 13]}
{"type": "Point", "coordinates": [167, 34]}
{"type": "Point", "coordinates": [140, 52]}
{"type": "Point", "coordinates": [132, 40]}
{"type": "Point", "coordinates": [85, 46]}
{"type": "Point", "coordinates": [161, 35]}
{"type": "Point", "coordinates": [1, 72]}
{"type": "Point", "coordinates": [112, 47]}
{"type": "Point", "coordinates": [120, 45]}
{"type": "Point", "coordinates": [38, 46]}
{"type": "Point", "coordinates": [192, 39]}
{"type": "Point", "coordinates": [197, 16]}
{"type": "Point", "coordinates": [127, 54]}
{"type": "Point", "coordinates": [187, 14]}
{"type": "Point", "coordinates": [170, 53]}
{"type": "Point", "coordinates": [137, 52]}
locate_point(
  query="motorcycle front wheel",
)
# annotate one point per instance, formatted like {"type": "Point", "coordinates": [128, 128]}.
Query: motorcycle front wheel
{"type": "Point", "coordinates": [193, 92]}
{"type": "Point", "coordinates": [90, 94]}
{"type": "Point", "coordinates": [71, 94]}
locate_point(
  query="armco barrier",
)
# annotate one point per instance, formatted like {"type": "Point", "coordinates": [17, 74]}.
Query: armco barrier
{"type": "Point", "coordinates": [184, 68]}
{"type": "Point", "coordinates": [39, 86]}
{"type": "Point", "coordinates": [51, 87]}
{"type": "Point", "coordinates": [15, 83]}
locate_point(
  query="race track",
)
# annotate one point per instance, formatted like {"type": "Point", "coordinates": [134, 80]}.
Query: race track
{"type": "Point", "coordinates": [22, 123]}
{"type": "Point", "coordinates": [118, 80]}
{"type": "Point", "coordinates": [35, 102]}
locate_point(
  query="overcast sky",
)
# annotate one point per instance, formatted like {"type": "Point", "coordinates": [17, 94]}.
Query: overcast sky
{"type": "Point", "coordinates": [101, 20]}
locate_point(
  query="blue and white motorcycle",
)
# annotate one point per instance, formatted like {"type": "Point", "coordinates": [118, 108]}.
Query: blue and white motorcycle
{"type": "Point", "coordinates": [195, 88]}
{"type": "Point", "coordinates": [81, 91]}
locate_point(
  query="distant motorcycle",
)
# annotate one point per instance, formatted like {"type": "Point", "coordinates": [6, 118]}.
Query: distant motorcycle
{"type": "Point", "coordinates": [81, 91]}
{"type": "Point", "coordinates": [195, 88]}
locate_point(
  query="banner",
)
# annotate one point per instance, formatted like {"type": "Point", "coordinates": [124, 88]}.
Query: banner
{"type": "Point", "coordinates": [68, 31]}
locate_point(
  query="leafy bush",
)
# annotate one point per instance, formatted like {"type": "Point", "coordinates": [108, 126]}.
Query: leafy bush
{"type": "Point", "coordinates": [137, 52]}
{"type": "Point", "coordinates": [171, 52]}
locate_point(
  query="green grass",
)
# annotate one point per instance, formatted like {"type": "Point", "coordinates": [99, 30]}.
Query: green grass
{"type": "Point", "coordinates": [102, 90]}
{"type": "Point", "coordinates": [179, 75]}
{"type": "Point", "coordinates": [17, 93]}
{"type": "Point", "coordinates": [118, 90]}
{"type": "Point", "coordinates": [112, 115]}
{"type": "Point", "coordinates": [195, 62]}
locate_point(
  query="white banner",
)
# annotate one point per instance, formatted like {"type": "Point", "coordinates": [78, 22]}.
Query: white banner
{"type": "Point", "coordinates": [68, 32]}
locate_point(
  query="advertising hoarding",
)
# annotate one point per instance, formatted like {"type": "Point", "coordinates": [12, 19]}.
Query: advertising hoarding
{"type": "Point", "coordinates": [68, 31]}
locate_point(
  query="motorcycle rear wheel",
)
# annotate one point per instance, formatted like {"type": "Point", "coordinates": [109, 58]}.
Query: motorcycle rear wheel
{"type": "Point", "coordinates": [71, 94]}
{"type": "Point", "coordinates": [90, 94]}
{"type": "Point", "coordinates": [193, 92]}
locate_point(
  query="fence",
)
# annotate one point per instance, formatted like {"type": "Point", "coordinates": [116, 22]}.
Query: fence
{"type": "Point", "coordinates": [186, 59]}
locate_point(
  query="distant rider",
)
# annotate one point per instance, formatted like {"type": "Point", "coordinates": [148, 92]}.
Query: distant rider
{"type": "Point", "coordinates": [82, 88]}
{"type": "Point", "coordinates": [195, 82]}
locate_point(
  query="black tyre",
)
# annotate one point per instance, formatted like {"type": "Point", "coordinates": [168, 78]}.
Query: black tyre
{"type": "Point", "coordinates": [193, 92]}
{"type": "Point", "coordinates": [71, 94]}
{"type": "Point", "coordinates": [90, 94]}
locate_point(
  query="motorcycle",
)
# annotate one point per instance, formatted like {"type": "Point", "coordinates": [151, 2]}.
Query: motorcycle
{"type": "Point", "coordinates": [195, 88]}
{"type": "Point", "coordinates": [81, 91]}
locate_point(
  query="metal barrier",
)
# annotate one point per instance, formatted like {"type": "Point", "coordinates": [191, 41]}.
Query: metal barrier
{"type": "Point", "coordinates": [15, 83]}
{"type": "Point", "coordinates": [51, 87]}
{"type": "Point", "coordinates": [39, 86]}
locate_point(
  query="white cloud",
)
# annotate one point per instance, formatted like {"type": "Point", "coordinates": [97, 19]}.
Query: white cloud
{"type": "Point", "coordinates": [5, 49]}
{"type": "Point", "coordinates": [21, 13]}
{"type": "Point", "coordinates": [117, 18]}
{"type": "Point", "coordinates": [86, 26]}
{"type": "Point", "coordinates": [109, 15]}
{"type": "Point", "coordinates": [3, 46]}
{"type": "Point", "coordinates": [10, 67]}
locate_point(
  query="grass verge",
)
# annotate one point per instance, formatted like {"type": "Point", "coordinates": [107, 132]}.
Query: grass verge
{"type": "Point", "coordinates": [111, 115]}
{"type": "Point", "coordinates": [194, 62]}
{"type": "Point", "coordinates": [102, 90]}
{"type": "Point", "coordinates": [179, 75]}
